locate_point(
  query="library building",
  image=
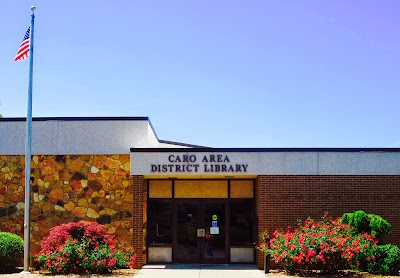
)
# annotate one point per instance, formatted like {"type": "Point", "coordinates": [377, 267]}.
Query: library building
{"type": "Point", "coordinates": [182, 203]}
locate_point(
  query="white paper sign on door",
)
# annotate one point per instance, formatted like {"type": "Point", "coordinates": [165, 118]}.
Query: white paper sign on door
{"type": "Point", "coordinates": [214, 230]}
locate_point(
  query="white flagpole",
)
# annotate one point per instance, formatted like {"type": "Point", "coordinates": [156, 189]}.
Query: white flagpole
{"type": "Point", "coordinates": [28, 151]}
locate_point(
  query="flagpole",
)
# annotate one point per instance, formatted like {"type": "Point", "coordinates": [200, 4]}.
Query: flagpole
{"type": "Point", "coordinates": [28, 151]}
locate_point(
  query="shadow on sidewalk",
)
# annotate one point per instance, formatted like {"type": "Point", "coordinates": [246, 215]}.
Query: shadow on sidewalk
{"type": "Point", "coordinates": [202, 266]}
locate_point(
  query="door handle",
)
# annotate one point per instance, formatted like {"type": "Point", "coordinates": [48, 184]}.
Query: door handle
{"type": "Point", "coordinates": [201, 232]}
{"type": "Point", "coordinates": [157, 231]}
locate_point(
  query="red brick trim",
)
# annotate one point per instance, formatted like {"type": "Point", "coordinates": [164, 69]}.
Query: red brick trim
{"type": "Point", "coordinates": [137, 216]}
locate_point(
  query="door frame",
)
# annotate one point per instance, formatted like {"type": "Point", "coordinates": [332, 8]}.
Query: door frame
{"type": "Point", "coordinates": [201, 205]}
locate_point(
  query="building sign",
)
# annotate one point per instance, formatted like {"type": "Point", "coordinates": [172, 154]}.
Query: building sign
{"type": "Point", "coordinates": [188, 163]}
{"type": "Point", "coordinates": [195, 163]}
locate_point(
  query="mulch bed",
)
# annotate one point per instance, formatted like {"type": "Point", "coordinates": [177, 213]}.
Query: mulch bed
{"type": "Point", "coordinates": [119, 273]}
{"type": "Point", "coordinates": [279, 273]}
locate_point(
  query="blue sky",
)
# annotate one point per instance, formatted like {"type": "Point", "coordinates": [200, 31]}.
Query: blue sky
{"type": "Point", "coordinates": [255, 73]}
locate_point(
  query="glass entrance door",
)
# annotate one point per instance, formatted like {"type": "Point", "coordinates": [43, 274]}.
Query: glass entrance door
{"type": "Point", "coordinates": [214, 242]}
{"type": "Point", "coordinates": [201, 230]}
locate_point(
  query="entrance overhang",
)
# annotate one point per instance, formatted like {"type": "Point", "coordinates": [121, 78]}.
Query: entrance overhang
{"type": "Point", "coordinates": [187, 177]}
{"type": "Point", "coordinates": [239, 162]}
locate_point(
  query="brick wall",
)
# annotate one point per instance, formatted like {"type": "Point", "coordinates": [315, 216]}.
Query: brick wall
{"type": "Point", "coordinates": [137, 239]}
{"type": "Point", "coordinates": [281, 200]}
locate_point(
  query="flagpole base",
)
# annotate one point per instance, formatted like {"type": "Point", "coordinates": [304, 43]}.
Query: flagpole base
{"type": "Point", "coordinates": [25, 272]}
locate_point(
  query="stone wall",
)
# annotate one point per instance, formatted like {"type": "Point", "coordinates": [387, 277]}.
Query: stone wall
{"type": "Point", "coordinates": [68, 188]}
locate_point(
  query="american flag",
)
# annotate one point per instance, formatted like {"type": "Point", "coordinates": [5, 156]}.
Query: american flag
{"type": "Point", "coordinates": [23, 51]}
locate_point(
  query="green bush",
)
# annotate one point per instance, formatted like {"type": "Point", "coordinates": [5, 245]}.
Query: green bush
{"type": "Point", "coordinates": [382, 260]}
{"type": "Point", "coordinates": [11, 251]}
{"type": "Point", "coordinates": [367, 223]}
{"type": "Point", "coordinates": [359, 220]}
{"type": "Point", "coordinates": [379, 226]}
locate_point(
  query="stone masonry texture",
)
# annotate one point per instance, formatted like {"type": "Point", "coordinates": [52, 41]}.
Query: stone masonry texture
{"type": "Point", "coordinates": [68, 188]}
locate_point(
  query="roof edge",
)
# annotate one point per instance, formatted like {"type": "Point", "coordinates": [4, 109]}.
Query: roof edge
{"type": "Point", "coordinates": [244, 150]}
{"type": "Point", "coordinates": [38, 119]}
{"type": "Point", "coordinates": [180, 144]}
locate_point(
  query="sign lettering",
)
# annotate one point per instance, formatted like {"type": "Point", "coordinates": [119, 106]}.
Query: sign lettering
{"type": "Point", "coordinates": [190, 163]}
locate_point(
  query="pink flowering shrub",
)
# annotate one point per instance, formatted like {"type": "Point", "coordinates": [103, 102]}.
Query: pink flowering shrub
{"type": "Point", "coordinates": [325, 245]}
{"type": "Point", "coordinates": [83, 247]}
{"type": "Point", "coordinates": [76, 230]}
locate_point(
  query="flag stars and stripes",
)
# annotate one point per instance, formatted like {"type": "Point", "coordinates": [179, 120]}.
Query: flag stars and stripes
{"type": "Point", "coordinates": [23, 51]}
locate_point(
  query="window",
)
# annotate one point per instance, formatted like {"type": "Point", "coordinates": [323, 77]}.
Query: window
{"type": "Point", "coordinates": [159, 221]}
{"type": "Point", "coordinates": [242, 221]}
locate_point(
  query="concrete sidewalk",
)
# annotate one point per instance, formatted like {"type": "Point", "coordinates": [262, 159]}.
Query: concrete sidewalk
{"type": "Point", "coordinates": [200, 271]}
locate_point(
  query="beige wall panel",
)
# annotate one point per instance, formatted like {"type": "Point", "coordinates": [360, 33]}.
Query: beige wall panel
{"type": "Point", "coordinates": [201, 189]}
{"type": "Point", "coordinates": [160, 189]}
{"type": "Point", "coordinates": [242, 255]}
{"type": "Point", "coordinates": [160, 254]}
{"type": "Point", "coordinates": [242, 189]}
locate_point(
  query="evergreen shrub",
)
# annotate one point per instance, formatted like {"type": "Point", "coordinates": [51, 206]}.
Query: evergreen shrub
{"type": "Point", "coordinates": [367, 223]}
{"type": "Point", "coordinates": [11, 251]}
